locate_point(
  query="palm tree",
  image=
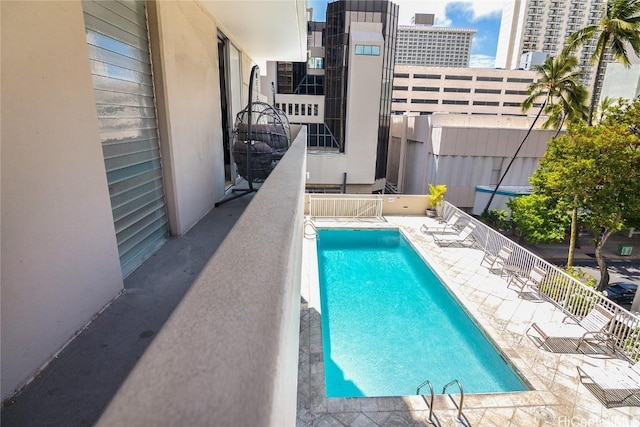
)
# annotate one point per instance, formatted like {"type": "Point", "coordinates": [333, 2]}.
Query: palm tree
{"type": "Point", "coordinates": [564, 99]}
{"type": "Point", "coordinates": [571, 110]}
{"type": "Point", "coordinates": [606, 105]}
{"type": "Point", "coordinates": [618, 29]}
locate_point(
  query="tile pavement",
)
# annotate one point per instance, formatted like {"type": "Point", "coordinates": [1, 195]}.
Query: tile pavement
{"type": "Point", "coordinates": [556, 399]}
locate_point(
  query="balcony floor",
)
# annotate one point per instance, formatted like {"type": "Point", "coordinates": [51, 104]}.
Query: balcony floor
{"type": "Point", "coordinates": [556, 398]}
{"type": "Point", "coordinates": [75, 387]}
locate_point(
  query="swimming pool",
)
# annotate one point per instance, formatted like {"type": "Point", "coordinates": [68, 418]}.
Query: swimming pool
{"type": "Point", "coordinates": [388, 323]}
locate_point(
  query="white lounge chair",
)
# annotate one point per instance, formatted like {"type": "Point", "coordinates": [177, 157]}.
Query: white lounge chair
{"type": "Point", "coordinates": [590, 328]}
{"type": "Point", "coordinates": [614, 387]}
{"type": "Point", "coordinates": [463, 238]}
{"type": "Point", "coordinates": [500, 259]}
{"type": "Point", "coordinates": [532, 280]}
{"type": "Point", "coordinates": [448, 227]}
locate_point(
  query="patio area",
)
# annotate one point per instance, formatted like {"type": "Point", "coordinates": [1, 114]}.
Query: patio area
{"type": "Point", "coordinates": [557, 396]}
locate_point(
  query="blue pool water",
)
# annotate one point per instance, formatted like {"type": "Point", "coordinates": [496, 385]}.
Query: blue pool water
{"type": "Point", "coordinates": [388, 323]}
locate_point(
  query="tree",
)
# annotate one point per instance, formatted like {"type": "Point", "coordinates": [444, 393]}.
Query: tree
{"type": "Point", "coordinates": [606, 106]}
{"type": "Point", "coordinates": [563, 99]}
{"type": "Point", "coordinates": [618, 28]}
{"type": "Point", "coordinates": [624, 112]}
{"type": "Point", "coordinates": [565, 96]}
{"type": "Point", "coordinates": [559, 114]}
{"type": "Point", "coordinates": [595, 169]}
{"type": "Point", "coordinates": [540, 218]}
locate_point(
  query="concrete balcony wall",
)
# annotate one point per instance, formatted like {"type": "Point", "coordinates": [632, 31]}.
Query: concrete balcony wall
{"type": "Point", "coordinates": [228, 355]}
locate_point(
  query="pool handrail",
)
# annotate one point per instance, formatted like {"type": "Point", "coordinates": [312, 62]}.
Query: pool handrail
{"type": "Point", "coordinates": [444, 389]}
{"type": "Point", "coordinates": [427, 382]}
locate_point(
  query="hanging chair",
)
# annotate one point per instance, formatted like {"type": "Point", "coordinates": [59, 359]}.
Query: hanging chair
{"type": "Point", "coordinates": [262, 135]}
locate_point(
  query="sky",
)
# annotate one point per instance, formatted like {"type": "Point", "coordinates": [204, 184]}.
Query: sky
{"type": "Point", "coordinates": [482, 15]}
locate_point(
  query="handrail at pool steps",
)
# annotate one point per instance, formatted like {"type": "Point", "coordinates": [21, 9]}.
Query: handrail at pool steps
{"type": "Point", "coordinates": [565, 292]}
{"type": "Point", "coordinates": [444, 389]}
{"type": "Point", "coordinates": [427, 382]}
{"type": "Point", "coordinates": [313, 234]}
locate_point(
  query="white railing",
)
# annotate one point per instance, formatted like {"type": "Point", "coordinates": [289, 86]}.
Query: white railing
{"type": "Point", "coordinates": [339, 207]}
{"type": "Point", "coordinates": [562, 290]}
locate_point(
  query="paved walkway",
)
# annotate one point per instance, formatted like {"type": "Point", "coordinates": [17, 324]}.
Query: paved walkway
{"type": "Point", "coordinates": [557, 397]}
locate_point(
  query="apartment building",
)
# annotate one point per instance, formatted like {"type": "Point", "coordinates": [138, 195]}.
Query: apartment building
{"type": "Point", "coordinates": [477, 91]}
{"type": "Point", "coordinates": [114, 139]}
{"type": "Point", "coordinates": [426, 45]}
{"type": "Point", "coordinates": [544, 26]}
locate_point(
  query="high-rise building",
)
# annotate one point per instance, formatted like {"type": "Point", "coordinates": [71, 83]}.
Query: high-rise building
{"type": "Point", "coordinates": [339, 16]}
{"type": "Point", "coordinates": [424, 44]}
{"type": "Point", "coordinates": [544, 26]}
{"type": "Point", "coordinates": [305, 78]}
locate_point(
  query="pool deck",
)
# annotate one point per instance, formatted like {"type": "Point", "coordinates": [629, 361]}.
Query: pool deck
{"type": "Point", "coordinates": [557, 397]}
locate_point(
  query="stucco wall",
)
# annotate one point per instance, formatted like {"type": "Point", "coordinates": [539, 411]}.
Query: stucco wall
{"type": "Point", "coordinates": [412, 147]}
{"type": "Point", "coordinates": [187, 46]}
{"type": "Point", "coordinates": [59, 255]}
{"type": "Point", "coordinates": [468, 148]}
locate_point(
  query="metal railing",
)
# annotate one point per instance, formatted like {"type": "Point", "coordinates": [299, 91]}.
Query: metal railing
{"type": "Point", "coordinates": [427, 382]}
{"type": "Point", "coordinates": [341, 207]}
{"type": "Point", "coordinates": [559, 288]}
{"type": "Point", "coordinates": [444, 390]}
{"type": "Point", "coordinates": [310, 230]}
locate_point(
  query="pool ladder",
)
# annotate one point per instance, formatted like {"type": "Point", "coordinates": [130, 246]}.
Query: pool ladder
{"type": "Point", "coordinates": [310, 234]}
{"type": "Point", "coordinates": [460, 416]}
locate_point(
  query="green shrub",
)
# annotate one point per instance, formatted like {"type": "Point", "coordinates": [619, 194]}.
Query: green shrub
{"type": "Point", "coordinates": [581, 300]}
{"type": "Point", "coordinates": [497, 219]}
{"type": "Point", "coordinates": [632, 345]}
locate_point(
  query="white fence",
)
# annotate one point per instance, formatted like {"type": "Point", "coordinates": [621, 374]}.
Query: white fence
{"type": "Point", "coordinates": [562, 290]}
{"type": "Point", "coordinates": [342, 207]}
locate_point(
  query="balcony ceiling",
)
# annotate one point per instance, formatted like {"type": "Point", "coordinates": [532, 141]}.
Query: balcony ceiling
{"type": "Point", "coordinates": [267, 30]}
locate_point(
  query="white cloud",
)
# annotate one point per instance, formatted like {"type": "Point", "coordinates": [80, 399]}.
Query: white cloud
{"type": "Point", "coordinates": [478, 40]}
{"type": "Point", "coordinates": [482, 61]}
{"type": "Point", "coordinates": [479, 8]}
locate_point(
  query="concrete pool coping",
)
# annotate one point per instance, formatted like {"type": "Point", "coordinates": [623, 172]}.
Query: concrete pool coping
{"type": "Point", "coordinates": [557, 396]}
